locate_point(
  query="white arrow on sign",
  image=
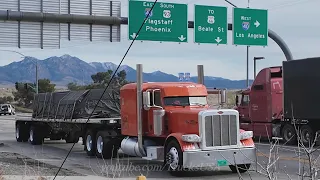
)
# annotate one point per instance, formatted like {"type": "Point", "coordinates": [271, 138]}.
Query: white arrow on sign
{"type": "Point", "coordinates": [182, 38]}
{"type": "Point", "coordinates": [134, 35]}
{"type": "Point", "coordinates": [218, 39]}
{"type": "Point", "coordinates": [257, 24]}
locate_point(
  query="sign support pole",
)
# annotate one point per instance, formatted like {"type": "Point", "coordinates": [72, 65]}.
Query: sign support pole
{"type": "Point", "coordinates": [248, 56]}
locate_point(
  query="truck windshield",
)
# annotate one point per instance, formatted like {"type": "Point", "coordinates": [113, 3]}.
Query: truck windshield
{"type": "Point", "coordinates": [185, 101]}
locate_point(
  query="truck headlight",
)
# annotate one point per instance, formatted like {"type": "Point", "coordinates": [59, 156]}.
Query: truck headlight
{"type": "Point", "coordinates": [246, 135]}
{"type": "Point", "coordinates": [191, 138]}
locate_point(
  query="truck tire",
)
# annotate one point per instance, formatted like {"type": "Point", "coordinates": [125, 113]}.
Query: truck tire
{"type": "Point", "coordinates": [307, 135]}
{"type": "Point", "coordinates": [107, 147]}
{"type": "Point", "coordinates": [241, 167]}
{"type": "Point", "coordinates": [21, 132]}
{"type": "Point", "coordinates": [35, 137]}
{"type": "Point", "coordinates": [173, 158]}
{"type": "Point", "coordinates": [289, 134]}
{"type": "Point", "coordinates": [90, 144]}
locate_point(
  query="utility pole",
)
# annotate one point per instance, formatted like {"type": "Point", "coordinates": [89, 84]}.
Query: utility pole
{"type": "Point", "coordinates": [247, 83]}
{"type": "Point", "coordinates": [255, 65]}
{"type": "Point", "coordinates": [37, 81]}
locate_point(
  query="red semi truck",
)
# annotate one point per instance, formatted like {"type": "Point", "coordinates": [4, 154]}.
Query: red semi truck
{"type": "Point", "coordinates": [279, 100]}
{"type": "Point", "coordinates": [165, 121]}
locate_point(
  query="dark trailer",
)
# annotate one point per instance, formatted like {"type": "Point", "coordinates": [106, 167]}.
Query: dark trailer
{"type": "Point", "coordinates": [301, 94]}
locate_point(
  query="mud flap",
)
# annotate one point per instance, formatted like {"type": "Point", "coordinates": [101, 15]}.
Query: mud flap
{"type": "Point", "coordinates": [276, 130]}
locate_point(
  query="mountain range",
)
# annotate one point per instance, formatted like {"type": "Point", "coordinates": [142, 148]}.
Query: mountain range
{"type": "Point", "coordinates": [65, 69]}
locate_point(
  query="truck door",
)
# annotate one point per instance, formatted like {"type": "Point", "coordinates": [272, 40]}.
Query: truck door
{"type": "Point", "coordinates": [157, 103]}
{"type": "Point", "coordinates": [260, 109]}
{"type": "Point", "coordinates": [244, 108]}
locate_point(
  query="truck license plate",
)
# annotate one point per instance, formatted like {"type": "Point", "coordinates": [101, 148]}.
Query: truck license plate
{"type": "Point", "coordinates": [222, 162]}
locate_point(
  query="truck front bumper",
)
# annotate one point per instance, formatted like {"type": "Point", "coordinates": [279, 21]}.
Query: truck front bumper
{"type": "Point", "coordinates": [214, 158]}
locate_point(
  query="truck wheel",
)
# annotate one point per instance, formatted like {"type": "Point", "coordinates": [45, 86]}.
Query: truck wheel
{"type": "Point", "coordinates": [21, 132]}
{"type": "Point", "coordinates": [107, 147]}
{"type": "Point", "coordinates": [90, 145]}
{"type": "Point", "coordinates": [241, 167]}
{"type": "Point", "coordinates": [289, 134]}
{"type": "Point", "coordinates": [35, 137]}
{"type": "Point", "coordinates": [306, 135]}
{"type": "Point", "coordinates": [173, 159]}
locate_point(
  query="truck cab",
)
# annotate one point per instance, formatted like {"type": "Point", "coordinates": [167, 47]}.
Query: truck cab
{"type": "Point", "coordinates": [180, 128]}
{"type": "Point", "coordinates": [260, 108]}
{"type": "Point", "coordinates": [179, 103]}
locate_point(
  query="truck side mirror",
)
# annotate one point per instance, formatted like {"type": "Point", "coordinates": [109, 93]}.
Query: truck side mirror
{"type": "Point", "coordinates": [223, 96]}
{"type": "Point", "coordinates": [146, 100]}
{"type": "Point", "coordinates": [237, 100]}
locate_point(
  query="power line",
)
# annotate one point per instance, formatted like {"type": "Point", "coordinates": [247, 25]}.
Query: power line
{"type": "Point", "coordinates": [284, 5]}
{"type": "Point", "coordinates": [291, 3]}
{"type": "Point", "coordinates": [114, 74]}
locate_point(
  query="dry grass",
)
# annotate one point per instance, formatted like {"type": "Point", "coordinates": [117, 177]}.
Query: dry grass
{"type": "Point", "coordinates": [214, 99]}
{"type": "Point", "coordinates": [6, 91]}
{"type": "Point", "coordinates": [23, 110]}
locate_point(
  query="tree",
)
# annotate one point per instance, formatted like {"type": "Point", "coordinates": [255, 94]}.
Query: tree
{"type": "Point", "coordinates": [6, 99]}
{"type": "Point", "coordinates": [102, 77]}
{"type": "Point", "coordinates": [24, 93]}
{"type": "Point", "coordinates": [75, 87]}
{"type": "Point", "coordinates": [9, 99]}
{"type": "Point", "coordinates": [46, 86]}
{"type": "Point", "coordinates": [101, 80]}
{"type": "Point", "coordinates": [121, 77]}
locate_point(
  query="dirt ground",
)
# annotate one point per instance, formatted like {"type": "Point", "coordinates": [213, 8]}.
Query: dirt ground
{"type": "Point", "coordinates": [16, 164]}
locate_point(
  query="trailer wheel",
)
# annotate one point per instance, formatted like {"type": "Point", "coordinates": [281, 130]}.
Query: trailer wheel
{"type": "Point", "coordinates": [107, 147]}
{"type": "Point", "coordinates": [173, 159]}
{"type": "Point", "coordinates": [289, 134]}
{"type": "Point", "coordinates": [21, 132]}
{"type": "Point", "coordinates": [241, 167]}
{"type": "Point", "coordinates": [90, 145]}
{"type": "Point", "coordinates": [35, 137]}
{"type": "Point", "coordinates": [306, 135]}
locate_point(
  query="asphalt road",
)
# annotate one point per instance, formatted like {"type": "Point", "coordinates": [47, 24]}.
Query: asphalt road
{"type": "Point", "coordinates": [54, 152]}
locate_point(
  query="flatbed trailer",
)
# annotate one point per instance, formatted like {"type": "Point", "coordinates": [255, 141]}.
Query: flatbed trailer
{"type": "Point", "coordinates": [113, 121]}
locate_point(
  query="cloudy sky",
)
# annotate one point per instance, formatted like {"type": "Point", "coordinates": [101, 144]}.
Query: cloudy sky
{"type": "Point", "coordinates": [293, 20]}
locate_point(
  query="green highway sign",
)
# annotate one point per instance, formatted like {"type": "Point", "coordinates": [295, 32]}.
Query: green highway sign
{"type": "Point", "coordinates": [166, 22]}
{"type": "Point", "coordinates": [210, 24]}
{"type": "Point", "coordinates": [250, 27]}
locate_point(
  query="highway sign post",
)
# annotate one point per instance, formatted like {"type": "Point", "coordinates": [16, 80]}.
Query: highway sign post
{"type": "Point", "coordinates": [210, 24]}
{"type": "Point", "coordinates": [181, 76]}
{"type": "Point", "coordinates": [250, 27]}
{"type": "Point", "coordinates": [166, 22]}
{"type": "Point", "coordinates": [187, 76]}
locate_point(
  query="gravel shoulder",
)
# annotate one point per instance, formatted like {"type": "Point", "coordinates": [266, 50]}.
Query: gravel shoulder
{"type": "Point", "coordinates": [16, 164]}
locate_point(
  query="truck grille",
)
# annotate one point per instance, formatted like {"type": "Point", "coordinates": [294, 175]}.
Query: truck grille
{"type": "Point", "coordinates": [220, 130]}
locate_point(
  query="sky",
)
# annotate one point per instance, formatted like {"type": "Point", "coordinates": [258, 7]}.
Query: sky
{"type": "Point", "coordinates": [293, 20]}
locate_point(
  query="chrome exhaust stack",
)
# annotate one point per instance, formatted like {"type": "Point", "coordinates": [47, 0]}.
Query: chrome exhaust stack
{"type": "Point", "coordinates": [139, 108]}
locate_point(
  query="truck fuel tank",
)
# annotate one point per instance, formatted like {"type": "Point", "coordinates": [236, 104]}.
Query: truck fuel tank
{"type": "Point", "coordinates": [129, 146]}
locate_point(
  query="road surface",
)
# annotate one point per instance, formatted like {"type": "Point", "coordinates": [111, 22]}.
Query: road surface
{"type": "Point", "coordinates": [54, 152]}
